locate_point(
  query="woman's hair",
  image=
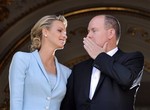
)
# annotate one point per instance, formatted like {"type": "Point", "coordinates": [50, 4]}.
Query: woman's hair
{"type": "Point", "coordinates": [36, 31]}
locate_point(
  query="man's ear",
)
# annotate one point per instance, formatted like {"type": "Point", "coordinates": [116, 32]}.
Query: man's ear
{"type": "Point", "coordinates": [111, 33]}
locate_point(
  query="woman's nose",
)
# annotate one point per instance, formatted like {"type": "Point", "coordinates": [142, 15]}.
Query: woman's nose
{"type": "Point", "coordinates": [65, 35]}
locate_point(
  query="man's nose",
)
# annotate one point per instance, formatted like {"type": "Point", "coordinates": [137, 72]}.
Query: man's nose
{"type": "Point", "coordinates": [89, 35]}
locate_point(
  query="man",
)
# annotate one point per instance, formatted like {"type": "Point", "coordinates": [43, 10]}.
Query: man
{"type": "Point", "coordinates": [111, 78]}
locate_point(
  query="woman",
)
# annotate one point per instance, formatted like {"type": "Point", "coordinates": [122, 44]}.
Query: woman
{"type": "Point", "coordinates": [37, 80]}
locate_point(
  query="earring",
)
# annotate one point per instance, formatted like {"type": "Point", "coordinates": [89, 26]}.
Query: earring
{"type": "Point", "coordinates": [45, 35]}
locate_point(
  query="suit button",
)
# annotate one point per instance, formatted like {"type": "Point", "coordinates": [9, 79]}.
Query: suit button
{"type": "Point", "coordinates": [46, 107]}
{"type": "Point", "coordinates": [48, 98]}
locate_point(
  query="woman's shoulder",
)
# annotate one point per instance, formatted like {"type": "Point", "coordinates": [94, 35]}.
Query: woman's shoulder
{"type": "Point", "coordinates": [21, 58]}
{"type": "Point", "coordinates": [62, 66]}
{"type": "Point", "coordinates": [65, 69]}
{"type": "Point", "coordinates": [21, 54]}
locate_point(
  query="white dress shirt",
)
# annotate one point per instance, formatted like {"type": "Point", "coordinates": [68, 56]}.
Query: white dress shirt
{"type": "Point", "coordinates": [96, 75]}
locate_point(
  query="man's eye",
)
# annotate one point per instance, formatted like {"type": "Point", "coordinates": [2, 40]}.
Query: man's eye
{"type": "Point", "coordinates": [60, 30]}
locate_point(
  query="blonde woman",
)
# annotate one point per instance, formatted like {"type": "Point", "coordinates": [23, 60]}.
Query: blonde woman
{"type": "Point", "coordinates": [37, 80]}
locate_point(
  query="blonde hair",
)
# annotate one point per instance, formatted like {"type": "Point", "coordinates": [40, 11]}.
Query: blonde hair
{"type": "Point", "coordinates": [36, 31]}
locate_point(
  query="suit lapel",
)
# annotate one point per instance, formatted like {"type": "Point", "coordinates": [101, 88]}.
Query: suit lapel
{"type": "Point", "coordinates": [38, 59]}
{"type": "Point", "coordinates": [116, 56]}
{"type": "Point", "coordinates": [59, 72]}
{"type": "Point", "coordinates": [87, 77]}
{"type": "Point", "coordinates": [102, 77]}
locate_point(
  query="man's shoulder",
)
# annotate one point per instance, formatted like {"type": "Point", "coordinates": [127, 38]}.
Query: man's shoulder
{"type": "Point", "coordinates": [134, 54]}
{"type": "Point", "coordinates": [85, 62]}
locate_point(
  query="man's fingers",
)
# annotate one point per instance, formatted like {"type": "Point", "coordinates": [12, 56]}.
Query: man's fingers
{"type": "Point", "coordinates": [87, 43]}
{"type": "Point", "coordinates": [87, 49]}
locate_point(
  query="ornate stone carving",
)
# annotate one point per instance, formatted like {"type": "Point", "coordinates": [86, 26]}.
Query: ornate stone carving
{"type": "Point", "coordinates": [5, 104]}
{"type": "Point", "coordinates": [4, 12]}
{"type": "Point", "coordinates": [139, 33]}
{"type": "Point", "coordinates": [76, 60]}
{"type": "Point", "coordinates": [147, 66]}
{"type": "Point", "coordinates": [79, 30]}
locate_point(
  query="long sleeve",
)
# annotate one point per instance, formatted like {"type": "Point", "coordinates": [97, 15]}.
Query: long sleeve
{"type": "Point", "coordinates": [17, 73]}
{"type": "Point", "coordinates": [123, 70]}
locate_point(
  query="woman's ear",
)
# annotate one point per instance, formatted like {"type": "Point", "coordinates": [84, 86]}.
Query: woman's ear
{"type": "Point", "coordinates": [44, 32]}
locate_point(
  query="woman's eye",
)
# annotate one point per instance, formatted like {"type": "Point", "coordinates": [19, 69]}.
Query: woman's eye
{"type": "Point", "coordinates": [94, 30]}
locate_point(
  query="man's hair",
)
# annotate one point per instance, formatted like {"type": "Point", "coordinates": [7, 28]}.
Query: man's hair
{"type": "Point", "coordinates": [112, 22]}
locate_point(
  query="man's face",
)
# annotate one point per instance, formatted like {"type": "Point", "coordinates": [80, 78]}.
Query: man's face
{"type": "Point", "coordinates": [97, 31]}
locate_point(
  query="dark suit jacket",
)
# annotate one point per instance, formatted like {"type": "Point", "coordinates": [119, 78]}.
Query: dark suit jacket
{"type": "Point", "coordinates": [113, 91]}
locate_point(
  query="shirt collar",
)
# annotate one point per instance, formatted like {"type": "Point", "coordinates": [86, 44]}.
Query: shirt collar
{"type": "Point", "coordinates": [112, 52]}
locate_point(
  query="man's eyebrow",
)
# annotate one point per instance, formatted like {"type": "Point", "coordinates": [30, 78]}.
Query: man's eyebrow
{"type": "Point", "coordinates": [91, 28]}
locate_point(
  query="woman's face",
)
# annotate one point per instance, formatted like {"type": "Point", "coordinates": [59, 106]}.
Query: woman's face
{"type": "Point", "coordinates": [56, 35]}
